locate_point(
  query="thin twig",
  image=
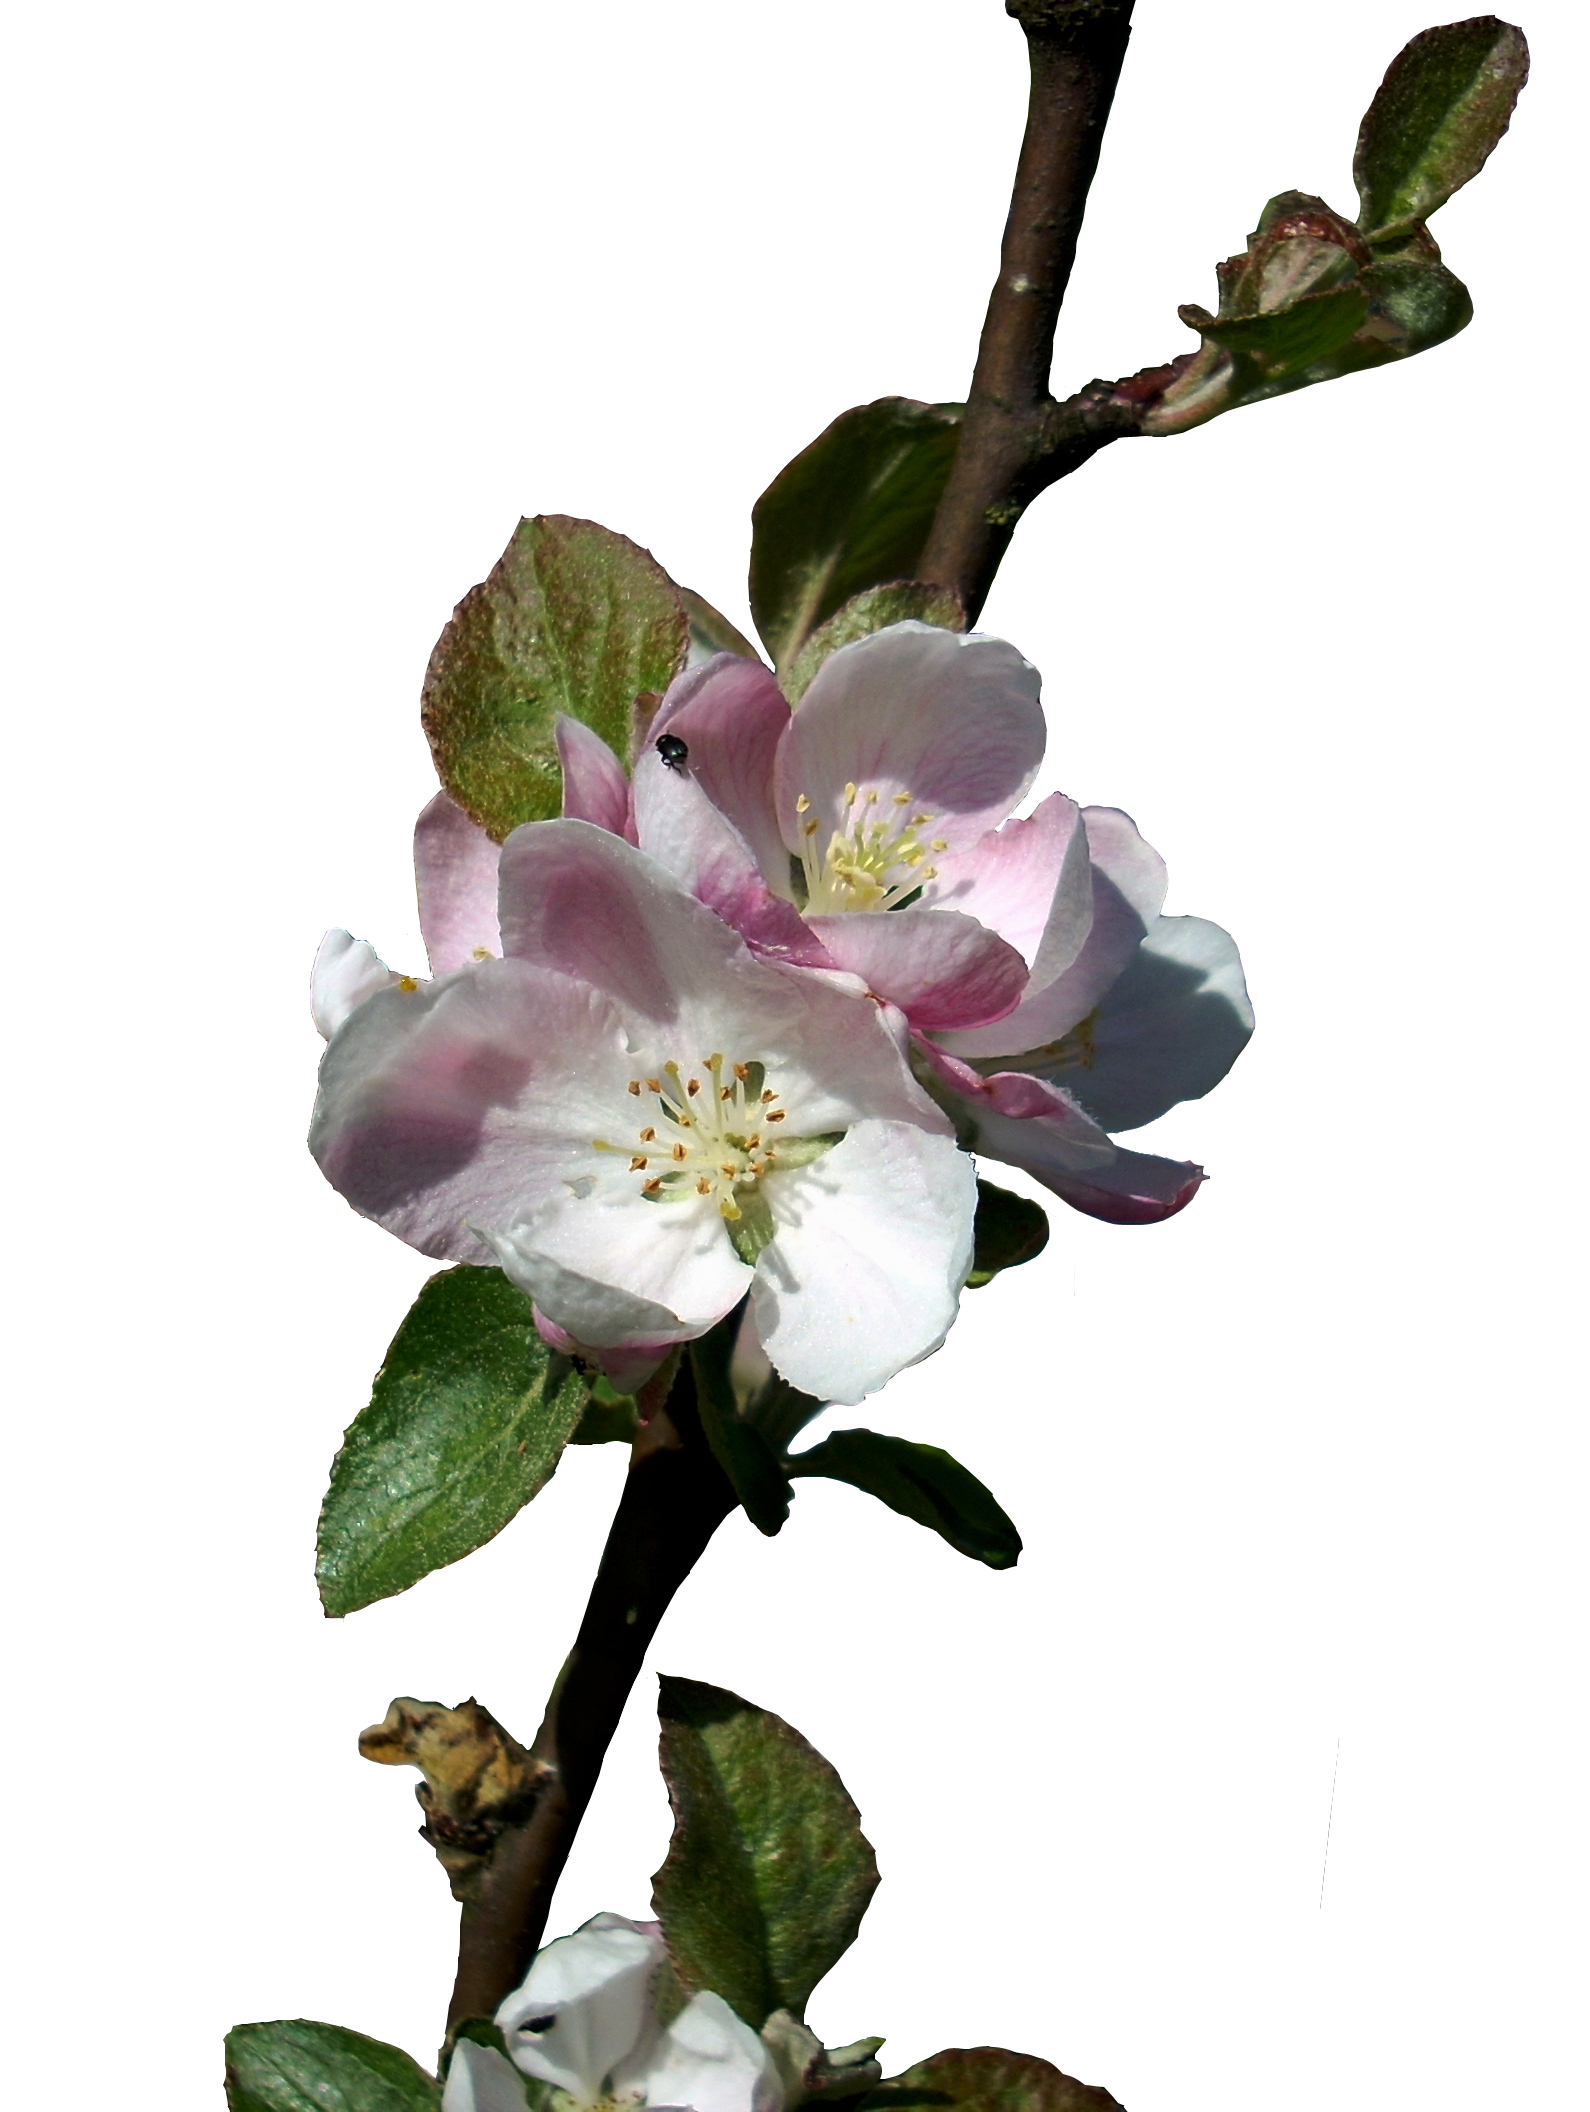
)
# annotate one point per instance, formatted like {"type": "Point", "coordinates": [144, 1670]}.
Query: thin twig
{"type": "Point", "coordinates": [1015, 439]}
{"type": "Point", "coordinates": [675, 1498]}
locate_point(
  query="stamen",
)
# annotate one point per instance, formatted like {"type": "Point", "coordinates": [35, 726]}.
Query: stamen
{"type": "Point", "coordinates": [407, 982]}
{"type": "Point", "coordinates": [803, 804]}
{"type": "Point", "coordinates": [902, 799]}
{"type": "Point", "coordinates": [680, 1152]}
{"type": "Point", "coordinates": [693, 1087]}
{"type": "Point", "coordinates": [648, 1136]}
{"type": "Point", "coordinates": [637, 1165]}
{"type": "Point", "coordinates": [634, 1086]}
{"type": "Point", "coordinates": [651, 1187]}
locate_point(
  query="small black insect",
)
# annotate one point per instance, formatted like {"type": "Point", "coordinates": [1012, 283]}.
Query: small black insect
{"type": "Point", "coordinates": [673, 751]}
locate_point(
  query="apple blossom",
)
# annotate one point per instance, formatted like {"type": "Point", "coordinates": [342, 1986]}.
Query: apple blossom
{"type": "Point", "coordinates": [642, 1122]}
{"type": "Point", "coordinates": [586, 2021]}
{"type": "Point", "coordinates": [1019, 949]}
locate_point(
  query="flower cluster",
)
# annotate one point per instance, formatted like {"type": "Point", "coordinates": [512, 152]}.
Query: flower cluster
{"type": "Point", "coordinates": [735, 1024]}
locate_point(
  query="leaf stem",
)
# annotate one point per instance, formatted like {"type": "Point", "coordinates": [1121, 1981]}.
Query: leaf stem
{"type": "Point", "coordinates": [675, 1498]}
{"type": "Point", "coordinates": [1015, 439]}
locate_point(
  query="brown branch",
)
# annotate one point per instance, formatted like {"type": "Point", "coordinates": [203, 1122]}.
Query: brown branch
{"type": "Point", "coordinates": [675, 1498]}
{"type": "Point", "coordinates": [1015, 439]}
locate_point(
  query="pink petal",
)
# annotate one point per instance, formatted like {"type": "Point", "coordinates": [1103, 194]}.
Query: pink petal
{"type": "Point", "coordinates": [941, 968]}
{"type": "Point", "coordinates": [455, 875]}
{"type": "Point", "coordinates": [1138, 1189]}
{"type": "Point", "coordinates": [679, 826]}
{"type": "Point", "coordinates": [578, 900]}
{"type": "Point", "coordinates": [1128, 888]}
{"type": "Point", "coordinates": [731, 714]}
{"type": "Point", "coordinates": [954, 721]}
{"type": "Point", "coordinates": [595, 788]}
{"type": "Point", "coordinates": [1031, 881]}
{"type": "Point", "coordinates": [450, 1107]}
{"type": "Point", "coordinates": [1071, 1156]}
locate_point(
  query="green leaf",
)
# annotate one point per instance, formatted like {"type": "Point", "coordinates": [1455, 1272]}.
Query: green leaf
{"type": "Point", "coordinates": [302, 2067]}
{"type": "Point", "coordinates": [851, 511]}
{"type": "Point", "coordinates": [920, 1482]}
{"type": "Point", "coordinates": [986, 2079]}
{"type": "Point", "coordinates": [1006, 1231]}
{"type": "Point", "coordinates": [572, 618]}
{"type": "Point", "coordinates": [901, 601]}
{"type": "Point", "coordinates": [1289, 339]}
{"type": "Point", "coordinates": [740, 1449]}
{"type": "Point", "coordinates": [711, 632]}
{"type": "Point", "coordinates": [1443, 106]}
{"type": "Point", "coordinates": [466, 1421]}
{"type": "Point", "coordinates": [768, 1873]}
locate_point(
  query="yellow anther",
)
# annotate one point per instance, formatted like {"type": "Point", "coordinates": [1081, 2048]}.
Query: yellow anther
{"type": "Point", "coordinates": [725, 1092]}
{"type": "Point", "coordinates": [850, 795]}
{"type": "Point", "coordinates": [939, 843]}
{"type": "Point", "coordinates": [634, 1086]}
{"type": "Point", "coordinates": [703, 1187]}
{"type": "Point", "coordinates": [648, 1136]}
{"type": "Point", "coordinates": [693, 1087]}
{"type": "Point", "coordinates": [930, 872]}
{"type": "Point", "coordinates": [637, 1165]}
{"type": "Point", "coordinates": [654, 1085]}
{"type": "Point", "coordinates": [742, 1071]}
{"type": "Point", "coordinates": [680, 1152]}
{"type": "Point", "coordinates": [777, 1115]}
{"type": "Point", "coordinates": [407, 982]}
{"type": "Point", "coordinates": [872, 798]}
{"type": "Point", "coordinates": [652, 1186]}
{"type": "Point", "coordinates": [902, 799]}
{"type": "Point", "coordinates": [810, 829]}
{"type": "Point", "coordinates": [802, 804]}
{"type": "Point", "coordinates": [481, 953]}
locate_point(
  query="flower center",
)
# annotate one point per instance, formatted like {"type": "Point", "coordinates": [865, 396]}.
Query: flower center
{"type": "Point", "coordinates": [875, 860]}
{"type": "Point", "coordinates": [717, 1131]}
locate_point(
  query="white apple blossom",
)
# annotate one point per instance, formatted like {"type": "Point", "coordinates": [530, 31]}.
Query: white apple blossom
{"type": "Point", "coordinates": [642, 1122]}
{"type": "Point", "coordinates": [586, 2021]}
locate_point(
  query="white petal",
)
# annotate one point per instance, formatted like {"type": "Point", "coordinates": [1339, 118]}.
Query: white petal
{"type": "Point", "coordinates": [711, 2061]}
{"type": "Point", "coordinates": [346, 971]}
{"type": "Point", "coordinates": [864, 1275]}
{"type": "Point", "coordinates": [612, 1267]}
{"type": "Point", "coordinates": [480, 2080]}
{"type": "Point", "coordinates": [589, 1994]}
{"type": "Point", "coordinates": [1168, 1030]}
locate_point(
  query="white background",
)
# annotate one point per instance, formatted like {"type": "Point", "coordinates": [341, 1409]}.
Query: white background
{"type": "Point", "coordinates": [316, 300]}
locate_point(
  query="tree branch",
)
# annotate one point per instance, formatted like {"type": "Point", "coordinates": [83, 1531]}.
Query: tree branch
{"type": "Point", "coordinates": [675, 1498]}
{"type": "Point", "coordinates": [1015, 439]}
